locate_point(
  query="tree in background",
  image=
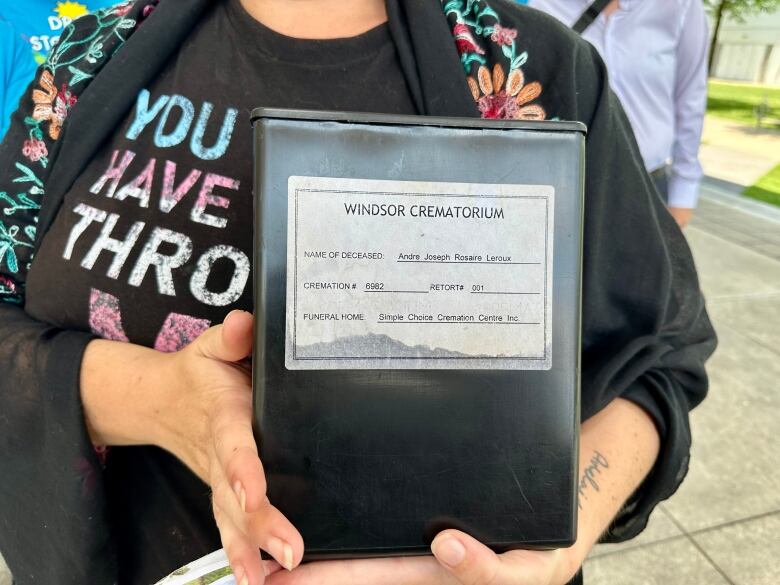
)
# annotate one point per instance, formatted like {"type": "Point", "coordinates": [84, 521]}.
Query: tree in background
{"type": "Point", "coordinates": [736, 9]}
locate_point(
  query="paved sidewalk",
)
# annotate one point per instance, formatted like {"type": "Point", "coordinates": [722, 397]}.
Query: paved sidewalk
{"type": "Point", "coordinates": [744, 229]}
{"type": "Point", "coordinates": [723, 525]}
{"type": "Point", "coordinates": [736, 152]}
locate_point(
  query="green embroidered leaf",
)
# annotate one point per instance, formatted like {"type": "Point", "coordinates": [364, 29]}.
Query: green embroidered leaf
{"type": "Point", "coordinates": [468, 58]}
{"type": "Point", "coordinates": [20, 203]}
{"type": "Point", "coordinates": [487, 11]}
{"type": "Point", "coordinates": [35, 128]}
{"type": "Point", "coordinates": [126, 23]}
{"type": "Point", "coordinates": [453, 6]}
{"type": "Point", "coordinates": [520, 60]}
{"type": "Point", "coordinates": [69, 52]}
{"type": "Point", "coordinates": [8, 242]}
{"type": "Point", "coordinates": [28, 176]}
{"type": "Point", "coordinates": [78, 75]}
{"type": "Point", "coordinates": [507, 50]}
{"type": "Point", "coordinates": [10, 258]}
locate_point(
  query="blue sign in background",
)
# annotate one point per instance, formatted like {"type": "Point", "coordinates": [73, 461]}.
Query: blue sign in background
{"type": "Point", "coordinates": [28, 31]}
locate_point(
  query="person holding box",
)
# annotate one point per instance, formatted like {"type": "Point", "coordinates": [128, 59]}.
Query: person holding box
{"type": "Point", "coordinates": [125, 185]}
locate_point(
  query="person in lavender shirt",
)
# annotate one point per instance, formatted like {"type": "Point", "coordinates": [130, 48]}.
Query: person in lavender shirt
{"type": "Point", "coordinates": [656, 55]}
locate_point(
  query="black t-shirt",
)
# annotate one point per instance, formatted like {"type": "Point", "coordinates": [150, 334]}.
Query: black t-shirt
{"type": "Point", "coordinates": [153, 243]}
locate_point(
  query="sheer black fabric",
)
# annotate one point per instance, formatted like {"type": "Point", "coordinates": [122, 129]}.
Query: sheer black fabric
{"type": "Point", "coordinates": [53, 513]}
{"type": "Point", "coordinates": [52, 503]}
{"type": "Point", "coordinates": [646, 334]}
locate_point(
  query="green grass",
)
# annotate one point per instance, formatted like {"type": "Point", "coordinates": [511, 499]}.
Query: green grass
{"type": "Point", "coordinates": [736, 101]}
{"type": "Point", "coordinates": [767, 189]}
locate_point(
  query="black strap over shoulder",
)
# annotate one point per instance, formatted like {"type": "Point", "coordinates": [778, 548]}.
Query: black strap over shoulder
{"type": "Point", "coordinates": [591, 13]}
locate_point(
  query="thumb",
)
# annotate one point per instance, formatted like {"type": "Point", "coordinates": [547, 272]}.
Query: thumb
{"type": "Point", "coordinates": [469, 561]}
{"type": "Point", "coordinates": [231, 341]}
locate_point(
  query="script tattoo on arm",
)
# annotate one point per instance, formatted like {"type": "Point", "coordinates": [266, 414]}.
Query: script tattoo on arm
{"type": "Point", "coordinates": [589, 479]}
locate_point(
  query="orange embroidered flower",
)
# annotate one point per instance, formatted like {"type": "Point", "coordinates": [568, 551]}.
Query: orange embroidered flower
{"type": "Point", "coordinates": [495, 102]}
{"type": "Point", "coordinates": [51, 105]}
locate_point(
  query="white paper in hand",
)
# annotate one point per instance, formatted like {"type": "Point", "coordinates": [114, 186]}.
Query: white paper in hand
{"type": "Point", "coordinates": [212, 569]}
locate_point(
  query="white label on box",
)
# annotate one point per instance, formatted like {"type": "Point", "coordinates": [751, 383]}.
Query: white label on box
{"type": "Point", "coordinates": [418, 275]}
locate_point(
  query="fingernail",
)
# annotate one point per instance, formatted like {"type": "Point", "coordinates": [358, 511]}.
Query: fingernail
{"type": "Point", "coordinates": [241, 495]}
{"type": "Point", "coordinates": [448, 550]}
{"type": "Point", "coordinates": [288, 557]}
{"type": "Point", "coordinates": [244, 581]}
{"type": "Point", "coordinates": [282, 552]}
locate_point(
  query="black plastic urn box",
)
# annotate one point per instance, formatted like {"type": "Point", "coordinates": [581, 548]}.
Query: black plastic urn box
{"type": "Point", "coordinates": [373, 443]}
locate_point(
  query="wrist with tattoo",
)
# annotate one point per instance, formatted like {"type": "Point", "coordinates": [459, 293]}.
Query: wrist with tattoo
{"type": "Point", "coordinates": [590, 476]}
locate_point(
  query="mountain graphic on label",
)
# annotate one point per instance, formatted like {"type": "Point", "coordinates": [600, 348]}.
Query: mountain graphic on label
{"type": "Point", "coordinates": [373, 345]}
